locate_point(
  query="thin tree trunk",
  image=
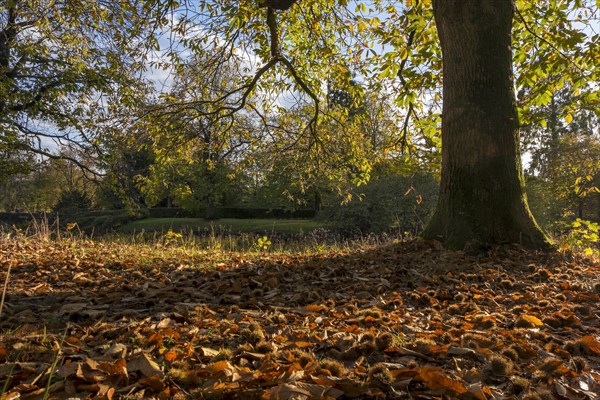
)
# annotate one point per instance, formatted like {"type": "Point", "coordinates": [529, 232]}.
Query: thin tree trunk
{"type": "Point", "coordinates": [482, 186]}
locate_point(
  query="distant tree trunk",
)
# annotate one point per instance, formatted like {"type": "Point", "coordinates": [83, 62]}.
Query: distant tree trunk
{"type": "Point", "coordinates": [482, 186]}
{"type": "Point", "coordinates": [211, 211]}
{"type": "Point", "coordinates": [211, 196]}
{"type": "Point", "coordinates": [317, 201]}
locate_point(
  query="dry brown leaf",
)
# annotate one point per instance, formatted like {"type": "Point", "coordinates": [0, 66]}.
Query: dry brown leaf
{"type": "Point", "coordinates": [3, 354]}
{"type": "Point", "coordinates": [480, 391]}
{"type": "Point", "coordinates": [286, 391]}
{"type": "Point", "coordinates": [154, 382]}
{"type": "Point", "coordinates": [445, 303]}
{"type": "Point", "coordinates": [118, 367]}
{"type": "Point", "coordinates": [205, 351]}
{"type": "Point", "coordinates": [10, 395]}
{"type": "Point", "coordinates": [222, 368]}
{"type": "Point", "coordinates": [155, 339]}
{"type": "Point", "coordinates": [105, 391]}
{"type": "Point", "coordinates": [144, 364]}
{"type": "Point", "coordinates": [67, 370]}
{"type": "Point", "coordinates": [89, 371]}
{"type": "Point", "coordinates": [465, 353]}
{"type": "Point", "coordinates": [436, 379]}
{"type": "Point", "coordinates": [592, 344]}
{"type": "Point", "coordinates": [315, 308]}
{"type": "Point", "coordinates": [320, 392]}
{"type": "Point", "coordinates": [299, 344]}
{"type": "Point", "coordinates": [116, 350]}
{"type": "Point", "coordinates": [170, 356]}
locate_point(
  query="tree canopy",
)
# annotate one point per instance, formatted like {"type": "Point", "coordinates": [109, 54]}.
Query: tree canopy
{"type": "Point", "coordinates": [60, 65]}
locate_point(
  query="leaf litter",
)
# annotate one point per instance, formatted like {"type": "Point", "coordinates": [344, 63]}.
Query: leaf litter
{"type": "Point", "coordinates": [402, 321]}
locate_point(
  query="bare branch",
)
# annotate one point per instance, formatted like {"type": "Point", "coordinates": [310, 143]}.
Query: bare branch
{"type": "Point", "coordinates": [93, 175]}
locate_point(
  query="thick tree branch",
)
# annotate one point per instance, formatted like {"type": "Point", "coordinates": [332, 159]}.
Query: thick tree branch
{"type": "Point", "coordinates": [62, 140]}
{"type": "Point", "coordinates": [227, 104]}
{"type": "Point", "coordinates": [274, 31]}
{"type": "Point", "coordinates": [247, 90]}
{"type": "Point", "coordinates": [409, 43]}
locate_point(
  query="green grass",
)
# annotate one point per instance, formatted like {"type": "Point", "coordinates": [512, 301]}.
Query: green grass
{"type": "Point", "coordinates": [266, 226]}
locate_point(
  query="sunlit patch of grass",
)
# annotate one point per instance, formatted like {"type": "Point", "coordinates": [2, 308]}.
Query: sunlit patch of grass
{"type": "Point", "coordinates": [226, 225]}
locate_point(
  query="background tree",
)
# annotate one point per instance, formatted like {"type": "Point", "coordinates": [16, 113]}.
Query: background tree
{"type": "Point", "coordinates": [198, 151]}
{"type": "Point", "coordinates": [56, 62]}
{"type": "Point", "coordinates": [568, 186]}
{"type": "Point", "coordinates": [41, 186]}
{"type": "Point", "coordinates": [562, 142]}
{"type": "Point", "coordinates": [127, 159]}
{"type": "Point", "coordinates": [299, 47]}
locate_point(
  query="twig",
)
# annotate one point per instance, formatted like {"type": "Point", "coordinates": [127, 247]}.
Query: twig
{"type": "Point", "coordinates": [55, 364]}
{"type": "Point", "coordinates": [5, 286]}
{"type": "Point", "coordinates": [187, 394]}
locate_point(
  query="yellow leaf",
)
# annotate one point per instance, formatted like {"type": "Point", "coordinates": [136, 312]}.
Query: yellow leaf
{"type": "Point", "coordinates": [568, 118]}
{"type": "Point", "coordinates": [529, 321]}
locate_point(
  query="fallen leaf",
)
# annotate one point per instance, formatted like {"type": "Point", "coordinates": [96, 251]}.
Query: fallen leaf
{"type": "Point", "coordinates": [118, 367]}
{"type": "Point", "coordinates": [144, 364]}
{"type": "Point", "coordinates": [529, 321]}
{"type": "Point", "coordinates": [592, 344]}
{"type": "Point", "coordinates": [436, 379]}
{"type": "Point", "coordinates": [170, 356]}
{"type": "Point", "coordinates": [154, 382]}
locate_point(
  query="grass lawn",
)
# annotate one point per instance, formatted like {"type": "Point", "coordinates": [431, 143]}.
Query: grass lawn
{"type": "Point", "coordinates": [287, 226]}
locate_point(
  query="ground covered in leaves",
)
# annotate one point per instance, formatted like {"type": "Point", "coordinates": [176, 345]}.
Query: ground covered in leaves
{"type": "Point", "coordinates": [402, 321]}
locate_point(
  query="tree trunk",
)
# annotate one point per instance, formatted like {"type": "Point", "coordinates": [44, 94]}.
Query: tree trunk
{"type": "Point", "coordinates": [317, 201]}
{"type": "Point", "coordinates": [482, 196]}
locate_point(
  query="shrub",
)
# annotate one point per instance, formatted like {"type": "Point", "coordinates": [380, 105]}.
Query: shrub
{"type": "Point", "coordinates": [402, 203]}
{"type": "Point", "coordinates": [72, 200]}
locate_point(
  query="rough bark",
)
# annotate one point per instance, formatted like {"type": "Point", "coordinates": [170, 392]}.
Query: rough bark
{"type": "Point", "coordinates": [482, 196]}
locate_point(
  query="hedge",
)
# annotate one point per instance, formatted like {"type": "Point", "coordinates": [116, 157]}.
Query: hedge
{"type": "Point", "coordinates": [234, 212]}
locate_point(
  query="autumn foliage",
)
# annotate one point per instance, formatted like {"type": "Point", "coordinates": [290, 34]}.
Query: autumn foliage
{"type": "Point", "coordinates": [402, 321]}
